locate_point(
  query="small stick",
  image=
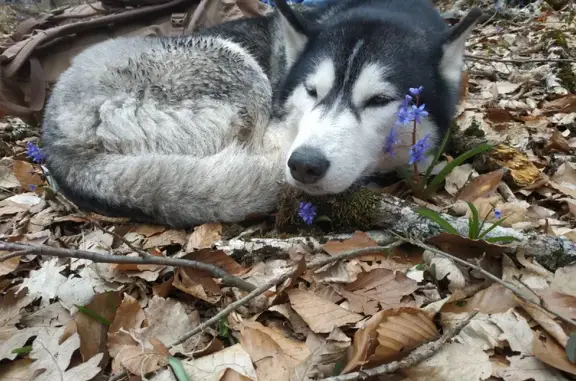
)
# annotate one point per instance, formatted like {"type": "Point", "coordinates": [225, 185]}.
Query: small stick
{"type": "Point", "coordinates": [418, 355]}
{"type": "Point", "coordinates": [19, 250]}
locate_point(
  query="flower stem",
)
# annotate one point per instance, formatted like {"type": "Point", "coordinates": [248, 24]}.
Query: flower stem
{"type": "Point", "coordinates": [416, 175]}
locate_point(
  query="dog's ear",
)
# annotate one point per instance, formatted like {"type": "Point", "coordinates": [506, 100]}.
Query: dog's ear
{"type": "Point", "coordinates": [453, 45]}
{"type": "Point", "coordinates": [295, 29]}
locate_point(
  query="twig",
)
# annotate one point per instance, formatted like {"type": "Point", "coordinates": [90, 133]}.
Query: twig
{"type": "Point", "coordinates": [43, 250]}
{"type": "Point", "coordinates": [507, 285]}
{"type": "Point", "coordinates": [354, 253]}
{"type": "Point", "coordinates": [420, 354]}
{"type": "Point", "coordinates": [64, 201]}
{"type": "Point", "coordinates": [260, 290]}
{"type": "Point", "coordinates": [231, 307]}
{"type": "Point", "coordinates": [517, 60]}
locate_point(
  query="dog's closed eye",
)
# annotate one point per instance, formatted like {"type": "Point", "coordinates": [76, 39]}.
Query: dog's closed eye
{"type": "Point", "coordinates": [377, 101]}
{"type": "Point", "coordinates": [311, 91]}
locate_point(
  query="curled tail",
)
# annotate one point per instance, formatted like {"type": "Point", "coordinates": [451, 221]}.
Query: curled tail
{"type": "Point", "coordinates": [176, 190]}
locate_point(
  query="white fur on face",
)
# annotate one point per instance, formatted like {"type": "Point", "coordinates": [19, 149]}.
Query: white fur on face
{"type": "Point", "coordinates": [354, 146]}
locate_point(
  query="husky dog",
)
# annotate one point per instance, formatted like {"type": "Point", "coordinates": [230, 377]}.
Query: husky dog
{"type": "Point", "coordinates": [207, 127]}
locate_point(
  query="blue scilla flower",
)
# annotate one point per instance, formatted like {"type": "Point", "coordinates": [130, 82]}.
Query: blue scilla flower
{"type": "Point", "coordinates": [418, 150]}
{"type": "Point", "coordinates": [307, 212]}
{"type": "Point", "coordinates": [497, 213]}
{"type": "Point", "coordinates": [34, 152]}
{"type": "Point", "coordinates": [391, 141]}
{"type": "Point", "coordinates": [419, 112]}
{"type": "Point", "coordinates": [416, 91]}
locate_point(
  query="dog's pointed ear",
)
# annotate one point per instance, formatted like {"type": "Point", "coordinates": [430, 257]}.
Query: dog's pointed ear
{"type": "Point", "coordinates": [295, 30]}
{"type": "Point", "coordinates": [453, 45]}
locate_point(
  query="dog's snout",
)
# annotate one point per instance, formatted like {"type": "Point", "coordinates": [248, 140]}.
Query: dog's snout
{"type": "Point", "coordinates": [308, 165]}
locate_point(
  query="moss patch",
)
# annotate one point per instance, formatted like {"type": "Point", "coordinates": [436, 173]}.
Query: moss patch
{"type": "Point", "coordinates": [354, 209]}
{"type": "Point", "coordinates": [566, 75]}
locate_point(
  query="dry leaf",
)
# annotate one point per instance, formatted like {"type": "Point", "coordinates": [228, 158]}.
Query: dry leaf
{"type": "Point", "coordinates": [498, 116]}
{"type": "Point", "coordinates": [18, 370]}
{"type": "Point", "coordinates": [563, 105]}
{"type": "Point", "coordinates": [53, 358]}
{"type": "Point", "coordinates": [204, 236]}
{"type": "Point", "coordinates": [521, 168]}
{"type": "Point", "coordinates": [28, 176]}
{"type": "Point", "coordinates": [295, 351]}
{"type": "Point", "coordinates": [217, 258]}
{"type": "Point", "coordinates": [564, 180]}
{"type": "Point", "coordinates": [197, 283]}
{"type": "Point", "coordinates": [453, 362]}
{"type": "Point", "coordinates": [482, 186]}
{"type": "Point", "coordinates": [492, 300]}
{"type": "Point", "coordinates": [547, 350]}
{"type": "Point", "coordinates": [558, 143]}
{"type": "Point", "coordinates": [387, 336]}
{"type": "Point", "coordinates": [481, 332]}
{"type": "Point", "coordinates": [45, 282]}
{"type": "Point", "coordinates": [166, 238]}
{"type": "Point", "coordinates": [323, 358]}
{"type": "Point", "coordinates": [359, 240]}
{"type": "Point", "coordinates": [458, 178]}
{"type": "Point", "coordinates": [524, 368]}
{"type": "Point", "coordinates": [270, 361]}
{"type": "Point", "coordinates": [321, 315]}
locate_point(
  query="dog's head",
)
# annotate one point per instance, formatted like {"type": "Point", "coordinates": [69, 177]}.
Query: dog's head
{"type": "Point", "coordinates": [347, 79]}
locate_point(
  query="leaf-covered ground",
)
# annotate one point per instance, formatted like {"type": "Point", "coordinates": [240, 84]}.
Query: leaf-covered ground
{"type": "Point", "coordinates": [65, 318]}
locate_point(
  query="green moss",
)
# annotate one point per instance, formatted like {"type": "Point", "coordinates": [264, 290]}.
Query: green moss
{"type": "Point", "coordinates": [475, 129]}
{"type": "Point", "coordinates": [354, 209]}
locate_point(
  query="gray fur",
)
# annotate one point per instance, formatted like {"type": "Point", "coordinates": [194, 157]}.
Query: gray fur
{"type": "Point", "coordinates": [178, 131]}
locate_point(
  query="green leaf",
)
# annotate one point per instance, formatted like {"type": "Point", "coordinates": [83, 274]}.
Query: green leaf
{"type": "Point", "coordinates": [494, 226]}
{"type": "Point", "coordinates": [178, 369]}
{"type": "Point", "coordinates": [501, 238]}
{"type": "Point", "coordinates": [223, 328]}
{"type": "Point", "coordinates": [420, 267]}
{"type": "Point", "coordinates": [474, 222]}
{"type": "Point", "coordinates": [437, 180]}
{"type": "Point", "coordinates": [322, 218]}
{"type": "Point", "coordinates": [438, 153]}
{"type": "Point", "coordinates": [22, 350]}
{"type": "Point", "coordinates": [94, 315]}
{"type": "Point", "coordinates": [432, 215]}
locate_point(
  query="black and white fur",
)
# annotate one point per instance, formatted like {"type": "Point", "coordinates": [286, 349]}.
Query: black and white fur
{"type": "Point", "coordinates": [208, 127]}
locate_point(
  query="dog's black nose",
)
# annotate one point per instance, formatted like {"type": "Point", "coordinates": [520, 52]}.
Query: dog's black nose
{"type": "Point", "coordinates": [308, 165]}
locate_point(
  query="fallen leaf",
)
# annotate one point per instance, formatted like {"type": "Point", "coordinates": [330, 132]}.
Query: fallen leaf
{"type": "Point", "coordinates": [557, 143]}
{"type": "Point", "coordinates": [270, 361]}
{"type": "Point", "coordinates": [198, 284]}
{"type": "Point", "coordinates": [387, 336]}
{"type": "Point", "coordinates": [522, 170]}
{"type": "Point", "coordinates": [498, 116]}
{"type": "Point", "coordinates": [445, 268]}
{"type": "Point", "coordinates": [563, 105]}
{"type": "Point", "coordinates": [323, 358]}
{"type": "Point", "coordinates": [359, 240]}
{"type": "Point", "coordinates": [453, 362]}
{"type": "Point", "coordinates": [46, 281]}
{"type": "Point", "coordinates": [18, 370]}
{"type": "Point", "coordinates": [166, 238]}
{"type": "Point", "coordinates": [204, 236]}
{"type": "Point", "coordinates": [217, 258]}
{"type": "Point", "coordinates": [564, 180]}
{"type": "Point", "coordinates": [482, 186]}
{"type": "Point", "coordinates": [523, 368]}
{"type": "Point", "coordinates": [53, 358]}
{"type": "Point", "coordinates": [481, 332]}
{"type": "Point", "coordinates": [492, 300]}
{"type": "Point", "coordinates": [458, 178]}
{"type": "Point", "coordinates": [28, 176]}
{"type": "Point", "coordinates": [321, 315]}
{"type": "Point", "coordinates": [547, 350]}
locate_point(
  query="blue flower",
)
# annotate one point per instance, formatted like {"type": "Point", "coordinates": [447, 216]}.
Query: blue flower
{"type": "Point", "coordinates": [416, 91]}
{"type": "Point", "coordinates": [391, 141]}
{"type": "Point", "coordinates": [307, 212]}
{"type": "Point", "coordinates": [419, 113]}
{"type": "Point", "coordinates": [418, 150]}
{"type": "Point", "coordinates": [497, 213]}
{"type": "Point", "coordinates": [34, 152]}
{"type": "Point", "coordinates": [33, 188]}
{"type": "Point", "coordinates": [405, 114]}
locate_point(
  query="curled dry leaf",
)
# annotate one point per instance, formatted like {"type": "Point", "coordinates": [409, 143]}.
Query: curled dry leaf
{"type": "Point", "coordinates": [522, 170]}
{"type": "Point", "coordinates": [564, 180]}
{"type": "Point", "coordinates": [320, 314]}
{"type": "Point", "coordinates": [28, 176]}
{"type": "Point", "coordinates": [446, 268]}
{"type": "Point", "coordinates": [558, 143]}
{"type": "Point", "coordinates": [198, 284]}
{"type": "Point", "coordinates": [388, 336]}
{"type": "Point", "coordinates": [481, 332]}
{"type": "Point", "coordinates": [458, 178]}
{"type": "Point", "coordinates": [492, 300]}
{"type": "Point", "coordinates": [323, 358]}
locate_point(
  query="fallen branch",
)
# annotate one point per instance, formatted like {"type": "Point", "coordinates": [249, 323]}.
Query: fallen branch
{"type": "Point", "coordinates": [18, 250]}
{"type": "Point", "coordinates": [517, 60]}
{"type": "Point", "coordinates": [400, 217]}
{"type": "Point", "coordinates": [417, 356]}
{"type": "Point", "coordinates": [262, 289]}
{"type": "Point", "coordinates": [538, 302]}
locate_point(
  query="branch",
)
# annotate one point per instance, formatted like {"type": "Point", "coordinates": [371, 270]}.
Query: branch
{"type": "Point", "coordinates": [18, 250]}
{"type": "Point", "coordinates": [420, 354]}
{"type": "Point", "coordinates": [517, 60]}
{"type": "Point", "coordinates": [400, 217]}
{"type": "Point", "coordinates": [509, 286]}
{"type": "Point", "coordinates": [262, 289]}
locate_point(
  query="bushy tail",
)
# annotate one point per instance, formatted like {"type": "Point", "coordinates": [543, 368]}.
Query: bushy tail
{"type": "Point", "coordinates": [176, 190]}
